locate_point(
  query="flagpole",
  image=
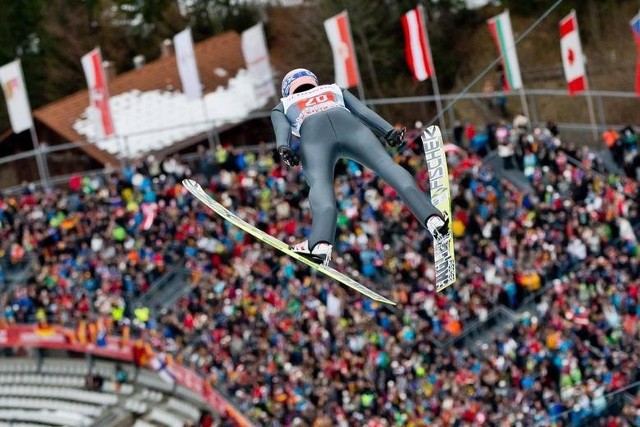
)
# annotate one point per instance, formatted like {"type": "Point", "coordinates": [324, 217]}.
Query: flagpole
{"type": "Point", "coordinates": [434, 78]}
{"type": "Point", "coordinates": [192, 87]}
{"type": "Point", "coordinates": [360, 89]}
{"type": "Point", "coordinates": [523, 97]}
{"type": "Point", "coordinates": [523, 102]}
{"type": "Point", "coordinates": [210, 129]}
{"type": "Point", "coordinates": [13, 72]}
{"type": "Point", "coordinates": [40, 161]}
{"type": "Point", "coordinates": [592, 114]}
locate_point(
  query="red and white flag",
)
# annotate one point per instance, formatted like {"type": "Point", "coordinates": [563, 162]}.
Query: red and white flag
{"type": "Point", "coordinates": [571, 50]}
{"type": "Point", "coordinates": [344, 55]}
{"type": "Point", "coordinates": [15, 93]}
{"type": "Point", "coordinates": [416, 45]}
{"type": "Point", "coordinates": [99, 110]}
{"type": "Point", "coordinates": [149, 212]}
{"type": "Point", "coordinates": [635, 28]}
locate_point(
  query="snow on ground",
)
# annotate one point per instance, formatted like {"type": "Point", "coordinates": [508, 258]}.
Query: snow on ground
{"type": "Point", "coordinates": [152, 120]}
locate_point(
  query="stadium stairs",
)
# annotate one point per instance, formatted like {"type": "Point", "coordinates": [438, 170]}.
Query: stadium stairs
{"type": "Point", "coordinates": [165, 290]}
{"type": "Point", "coordinates": [37, 391]}
{"type": "Point", "coordinates": [15, 274]}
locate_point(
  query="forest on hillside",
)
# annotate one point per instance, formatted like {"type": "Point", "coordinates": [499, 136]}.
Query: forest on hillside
{"type": "Point", "coordinates": [50, 36]}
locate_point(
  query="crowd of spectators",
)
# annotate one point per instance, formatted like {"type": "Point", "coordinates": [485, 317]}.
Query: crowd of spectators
{"type": "Point", "coordinates": [89, 246]}
{"type": "Point", "coordinates": [623, 146]}
{"type": "Point", "coordinates": [293, 348]}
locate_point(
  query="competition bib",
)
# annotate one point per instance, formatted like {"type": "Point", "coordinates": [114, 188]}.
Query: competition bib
{"type": "Point", "coordinates": [299, 106]}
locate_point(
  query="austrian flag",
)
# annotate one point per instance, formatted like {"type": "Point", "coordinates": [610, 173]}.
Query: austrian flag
{"type": "Point", "coordinates": [416, 45]}
{"type": "Point", "coordinates": [571, 50]}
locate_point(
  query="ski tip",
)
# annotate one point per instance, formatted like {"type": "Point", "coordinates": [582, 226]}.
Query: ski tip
{"type": "Point", "coordinates": [189, 183]}
{"type": "Point", "coordinates": [431, 131]}
{"type": "Point", "coordinates": [383, 300]}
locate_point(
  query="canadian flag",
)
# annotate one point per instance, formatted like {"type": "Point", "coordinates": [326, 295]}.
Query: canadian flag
{"type": "Point", "coordinates": [416, 46]}
{"type": "Point", "coordinates": [99, 109]}
{"type": "Point", "coordinates": [571, 50]}
{"type": "Point", "coordinates": [344, 56]}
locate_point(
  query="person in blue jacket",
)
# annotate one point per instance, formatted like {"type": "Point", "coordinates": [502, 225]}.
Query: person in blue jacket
{"type": "Point", "coordinates": [332, 124]}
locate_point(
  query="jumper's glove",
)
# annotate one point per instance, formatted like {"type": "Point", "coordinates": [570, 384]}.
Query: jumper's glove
{"type": "Point", "coordinates": [287, 155]}
{"type": "Point", "coordinates": [395, 138]}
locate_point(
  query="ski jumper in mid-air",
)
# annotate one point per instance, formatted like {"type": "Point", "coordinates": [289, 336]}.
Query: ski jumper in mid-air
{"type": "Point", "coordinates": [332, 124]}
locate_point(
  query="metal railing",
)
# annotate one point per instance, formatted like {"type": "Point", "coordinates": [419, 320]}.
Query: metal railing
{"type": "Point", "coordinates": [500, 316]}
{"type": "Point", "coordinates": [615, 402]}
{"type": "Point", "coordinates": [533, 99]}
{"type": "Point", "coordinates": [61, 180]}
{"type": "Point", "coordinates": [587, 133]}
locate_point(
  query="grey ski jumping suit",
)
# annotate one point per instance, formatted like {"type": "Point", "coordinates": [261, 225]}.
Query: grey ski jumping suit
{"type": "Point", "coordinates": [332, 124]}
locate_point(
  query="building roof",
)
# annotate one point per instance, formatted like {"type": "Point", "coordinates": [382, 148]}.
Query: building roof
{"type": "Point", "coordinates": [222, 52]}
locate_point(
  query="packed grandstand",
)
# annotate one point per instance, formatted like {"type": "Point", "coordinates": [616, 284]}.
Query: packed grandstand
{"type": "Point", "coordinates": [540, 329]}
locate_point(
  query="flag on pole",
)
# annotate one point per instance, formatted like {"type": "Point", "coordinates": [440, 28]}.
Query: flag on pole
{"type": "Point", "coordinates": [15, 94]}
{"type": "Point", "coordinates": [635, 27]}
{"type": "Point", "coordinates": [99, 110]}
{"type": "Point", "coordinates": [500, 27]}
{"type": "Point", "coordinates": [187, 64]}
{"type": "Point", "coordinates": [256, 58]}
{"type": "Point", "coordinates": [344, 56]}
{"type": "Point", "coordinates": [571, 50]}
{"type": "Point", "coordinates": [416, 46]}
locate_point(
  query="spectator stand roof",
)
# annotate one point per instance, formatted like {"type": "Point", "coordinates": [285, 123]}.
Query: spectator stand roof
{"type": "Point", "coordinates": [150, 98]}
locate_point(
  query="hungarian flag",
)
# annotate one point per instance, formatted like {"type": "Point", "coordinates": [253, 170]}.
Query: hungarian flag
{"type": "Point", "coordinates": [344, 55]}
{"type": "Point", "coordinates": [99, 110]}
{"type": "Point", "coordinates": [500, 27]}
{"type": "Point", "coordinates": [635, 27]}
{"type": "Point", "coordinates": [416, 45]}
{"type": "Point", "coordinates": [571, 50]}
{"type": "Point", "coordinates": [15, 93]}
